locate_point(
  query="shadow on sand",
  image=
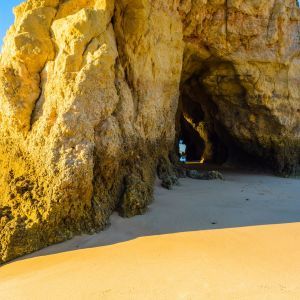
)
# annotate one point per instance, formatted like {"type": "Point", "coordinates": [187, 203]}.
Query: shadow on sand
{"type": "Point", "coordinates": [240, 200]}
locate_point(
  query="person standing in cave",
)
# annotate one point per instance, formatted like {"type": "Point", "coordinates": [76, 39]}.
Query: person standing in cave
{"type": "Point", "coordinates": [182, 151]}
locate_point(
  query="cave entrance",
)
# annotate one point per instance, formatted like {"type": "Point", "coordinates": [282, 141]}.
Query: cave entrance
{"type": "Point", "coordinates": [215, 120]}
{"type": "Point", "coordinates": [212, 109]}
{"type": "Point", "coordinates": [200, 138]}
{"type": "Point", "coordinates": [191, 145]}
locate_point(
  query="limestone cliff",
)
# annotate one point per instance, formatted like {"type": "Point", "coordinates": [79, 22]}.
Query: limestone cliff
{"type": "Point", "coordinates": [91, 90]}
{"type": "Point", "coordinates": [241, 62]}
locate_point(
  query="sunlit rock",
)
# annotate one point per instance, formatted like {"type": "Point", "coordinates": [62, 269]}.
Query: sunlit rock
{"type": "Point", "coordinates": [90, 103]}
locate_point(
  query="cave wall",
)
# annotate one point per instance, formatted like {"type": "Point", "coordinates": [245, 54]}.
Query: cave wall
{"type": "Point", "coordinates": [246, 55]}
{"type": "Point", "coordinates": [89, 91]}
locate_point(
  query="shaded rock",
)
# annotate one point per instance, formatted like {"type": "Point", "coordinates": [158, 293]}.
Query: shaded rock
{"type": "Point", "coordinates": [205, 175]}
{"type": "Point", "coordinates": [166, 171]}
{"type": "Point", "coordinates": [181, 171]}
{"type": "Point", "coordinates": [169, 181]}
{"type": "Point", "coordinates": [136, 197]}
{"type": "Point", "coordinates": [244, 74]}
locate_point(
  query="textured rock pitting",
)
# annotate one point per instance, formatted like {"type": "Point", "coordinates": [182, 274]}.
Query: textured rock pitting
{"type": "Point", "coordinates": [89, 92]}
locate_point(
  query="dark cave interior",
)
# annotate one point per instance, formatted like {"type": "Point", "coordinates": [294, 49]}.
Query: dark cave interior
{"type": "Point", "coordinates": [197, 128]}
{"type": "Point", "coordinates": [206, 140]}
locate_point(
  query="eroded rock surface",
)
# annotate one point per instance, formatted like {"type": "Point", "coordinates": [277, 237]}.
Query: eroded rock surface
{"type": "Point", "coordinates": [89, 92]}
{"type": "Point", "coordinates": [242, 64]}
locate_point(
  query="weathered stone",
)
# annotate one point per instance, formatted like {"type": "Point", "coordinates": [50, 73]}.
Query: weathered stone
{"type": "Point", "coordinates": [205, 175]}
{"type": "Point", "coordinates": [241, 63]}
{"type": "Point", "coordinates": [166, 171]}
{"type": "Point", "coordinates": [78, 114]}
{"type": "Point", "coordinates": [169, 181]}
{"type": "Point", "coordinates": [137, 196]}
{"type": "Point", "coordinates": [89, 92]}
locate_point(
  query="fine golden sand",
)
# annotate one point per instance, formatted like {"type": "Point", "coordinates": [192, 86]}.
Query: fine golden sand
{"type": "Point", "coordinates": [245, 263]}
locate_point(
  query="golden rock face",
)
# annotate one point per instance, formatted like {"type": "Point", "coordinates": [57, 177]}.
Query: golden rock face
{"type": "Point", "coordinates": [89, 92]}
{"type": "Point", "coordinates": [245, 55]}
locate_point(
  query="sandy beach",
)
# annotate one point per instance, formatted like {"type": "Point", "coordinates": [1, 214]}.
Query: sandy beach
{"type": "Point", "coordinates": [232, 239]}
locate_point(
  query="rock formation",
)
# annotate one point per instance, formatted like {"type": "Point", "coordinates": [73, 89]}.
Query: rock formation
{"type": "Point", "coordinates": [241, 64]}
{"type": "Point", "coordinates": [92, 91]}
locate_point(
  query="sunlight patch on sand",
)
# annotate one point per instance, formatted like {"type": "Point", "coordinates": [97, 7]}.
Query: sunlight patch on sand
{"type": "Point", "coordinates": [257, 262]}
